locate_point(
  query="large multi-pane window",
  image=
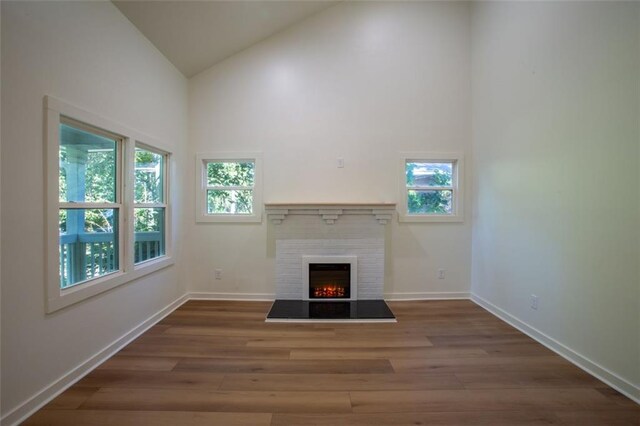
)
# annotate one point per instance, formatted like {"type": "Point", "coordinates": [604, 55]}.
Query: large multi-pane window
{"type": "Point", "coordinates": [431, 188]}
{"type": "Point", "coordinates": [229, 188]}
{"type": "Point", "coordinates": [107, 205]}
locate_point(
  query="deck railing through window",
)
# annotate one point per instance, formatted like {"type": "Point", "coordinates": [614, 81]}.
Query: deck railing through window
{"type": "Point", "coordinates": [85, 256]}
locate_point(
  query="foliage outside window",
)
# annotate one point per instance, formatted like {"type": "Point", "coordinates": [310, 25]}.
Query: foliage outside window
{"type": "Point", "coordinates": [101, 231]}
{"type": "Point", "coordinates": [431, 187]}
{"type": "Point", "coordinates": [149, 205]}
{"type": "Point", "coordinates": [229, 189]}
{"type": "Point", "coordinates": [89, 203]}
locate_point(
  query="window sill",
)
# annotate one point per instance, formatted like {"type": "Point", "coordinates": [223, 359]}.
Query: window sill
{"type": "Point", "coordinates": [63, 298]}
{"type": "Point", "coordinates": [405, 218]}
{"type": "Point", "coordinates": [230, 218]}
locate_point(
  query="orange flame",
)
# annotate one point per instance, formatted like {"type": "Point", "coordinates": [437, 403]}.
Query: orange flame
{"type": "Point", "coordinates": [329, 291]}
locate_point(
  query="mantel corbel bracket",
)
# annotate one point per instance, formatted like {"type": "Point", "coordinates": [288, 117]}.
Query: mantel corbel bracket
{"type": "Point", "coordinates": [329, 213]}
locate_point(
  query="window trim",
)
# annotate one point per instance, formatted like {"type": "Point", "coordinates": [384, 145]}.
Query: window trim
{"type": "Point", "coordinates": [55, 297]}
{"type": "Point", "coordinates": [164, 204]}
{"type": "Point", "coordinates": [117, 203]}
{"type": "Point", "coordinates": [457, 158]}
{"type": "Point", "coordinates": [202, 159]}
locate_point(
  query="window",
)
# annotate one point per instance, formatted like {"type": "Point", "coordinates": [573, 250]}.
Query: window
{"type": "Point", "coordinates": [228, 187]}
{"type": "Point", "coordinates": [89, 202]}
{"type": "Point", "coordinates": [149, 204]}
{"type": "Point", "coordinates": [431, 187]}
{"type": "Point", "coordinates": [101, 232]}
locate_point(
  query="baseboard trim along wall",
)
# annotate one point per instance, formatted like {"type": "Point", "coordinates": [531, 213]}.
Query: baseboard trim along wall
{"type": "Point", "coordinates": [41, 398]}
{"type": "Point", "coordinates": [427, 295]}
{"type": "Point", "coordinates": [258, 297]}
{"type": "Point", "coordinates": [618, 383]}
{"type": "Point", "coordinates": [270, 297]}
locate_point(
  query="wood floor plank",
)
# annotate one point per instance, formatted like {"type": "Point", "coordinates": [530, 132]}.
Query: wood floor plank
{"type": "Point", "coordinates": [428, 331]}
{"type": "Point", "coordinates": [143, 418]}
{"type": "Point", "coordinates": [386, 353]}
{"type": "Point", "coordinates": [152, 380]}
{"type": "Point", "coordinates": [247, 332]}
{"type": "Point", "coordinates": [485, 400]}
{"type": "Point", "coordinates": [187, 340]}
{"type": "Point", "coordinates": [230, 401]}
{"type": "Point", "coordinates": [596, 418]}
{"type": "Point", "coordinates": [472, 418]}
{"type": "Point", "coordinates": [275, 366]}
{"type": "Point", "coordinates": [149, 363]}
{"type": "Point", "coordinates": [516, 349]}
{"type": "Point", "coordinates": [480, 339]}
{"type": "Point", "coordinates": [71, 399]}
{"type": "Point", "coordinates": [482, 364]}
{"type": "Point", "coordinates": [173, 351]}
{"type": "Point", "coordinates": [527, 379]}
{"type": "Point", "coordinates": [336, 342]}
{"type": "Point", "coordinates": [615, 396]}
{"type": "Point", "coordinates": [339, 382]}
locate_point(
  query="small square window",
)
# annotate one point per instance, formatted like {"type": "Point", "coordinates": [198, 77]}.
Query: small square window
{"type": "Point", "coordinates": [431, 187]}
{"type": "Point", "coordinates": [229, 188]}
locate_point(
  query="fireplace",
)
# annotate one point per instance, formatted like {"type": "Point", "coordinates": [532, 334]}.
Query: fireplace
{"type": "Point", "coordinates": [330, 278]}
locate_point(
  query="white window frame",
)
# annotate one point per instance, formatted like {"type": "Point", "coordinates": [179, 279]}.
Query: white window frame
{"type": "Point", "coordinates": [202, 160]}
{"type": "Point", "coordinates": [164, 204]}
{"type": "Point", "coordinates": [457, 200]}
{"type": "Point", "coordinates": [57, 298]}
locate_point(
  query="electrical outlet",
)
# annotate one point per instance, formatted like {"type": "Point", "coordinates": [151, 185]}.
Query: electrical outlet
{"type": "Point", "coordinates": [218, 274]}
{"type": "Point", "coordinates": [441, 274]}
{"type": "Point", "coordinates": [534, 302]}
{"type": "Point", "coordinates": [340, 163]}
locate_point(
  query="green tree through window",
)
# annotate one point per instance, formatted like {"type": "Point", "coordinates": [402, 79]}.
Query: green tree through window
{"type": "Point", "coordinates": [429, 187]}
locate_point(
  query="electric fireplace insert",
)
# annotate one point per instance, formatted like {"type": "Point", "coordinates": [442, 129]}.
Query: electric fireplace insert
{"type": "Point", "coordinates": [329, 281]}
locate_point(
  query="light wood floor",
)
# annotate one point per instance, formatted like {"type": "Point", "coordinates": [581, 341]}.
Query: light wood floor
{"type": "Point", "coordinates": [443, 363]}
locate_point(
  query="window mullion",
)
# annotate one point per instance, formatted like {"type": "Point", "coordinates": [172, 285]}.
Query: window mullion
{"type": "Point", "coordinates": [128, 190]}
{"type": "Point", "coordinates": [430, 188]}
{"type": "Point", "coordinates": [71, 206]}
{"type": "Point", "coordinates": [149, 205]}
{"type": "Point", "coordinates": [230, 188]}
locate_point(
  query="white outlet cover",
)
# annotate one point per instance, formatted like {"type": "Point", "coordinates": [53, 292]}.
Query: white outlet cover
{"type": "Point", "coordinates": [534, 302]}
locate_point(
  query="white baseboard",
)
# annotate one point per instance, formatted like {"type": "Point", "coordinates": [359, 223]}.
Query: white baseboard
{"type": "Point", "coordinates": [261, 297]}
{"type": "Point", "coordinates": [37, 401]}
{"type": "Point", "coordinates": [618, 383]}
{"type": "Point", "coordinates": [427, 295]}
{"type": "Point", "coordinates": [270, 297]}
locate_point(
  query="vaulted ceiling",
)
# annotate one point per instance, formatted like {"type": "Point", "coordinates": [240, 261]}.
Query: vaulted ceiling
{"type": "Point", "coordinates": [195, 35]}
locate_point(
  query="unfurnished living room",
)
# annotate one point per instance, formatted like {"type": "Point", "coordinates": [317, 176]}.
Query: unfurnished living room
{"type": "Point", "coordinates": [320, 213]}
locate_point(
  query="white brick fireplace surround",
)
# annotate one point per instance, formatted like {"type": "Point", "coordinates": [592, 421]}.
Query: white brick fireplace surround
{"type": "Point", "coordinates": [329, 230]}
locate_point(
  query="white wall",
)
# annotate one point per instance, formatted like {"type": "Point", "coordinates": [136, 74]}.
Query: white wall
{"type": "Point", "coordinates": [89, 55]}
{"type": "Point", "coordinates": [556, 94]}
{"type": "Point", "coordinates": [361, 81]}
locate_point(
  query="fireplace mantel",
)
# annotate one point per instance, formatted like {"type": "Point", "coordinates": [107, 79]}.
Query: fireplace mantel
{"type": "Point", "coordinates": [329, 212]}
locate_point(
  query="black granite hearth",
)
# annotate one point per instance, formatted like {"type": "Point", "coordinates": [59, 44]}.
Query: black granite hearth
{"type": "Point", "coordinates": [374, 310]}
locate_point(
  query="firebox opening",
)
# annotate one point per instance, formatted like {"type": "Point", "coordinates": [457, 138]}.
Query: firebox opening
{"type": "Point", "coordinates": [329, 280]}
